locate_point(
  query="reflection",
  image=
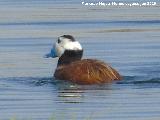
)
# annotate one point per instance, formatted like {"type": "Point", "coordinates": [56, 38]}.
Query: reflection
{"type": "Point", "coordinates": [72, 94]}
{"type": "Point", "coordinates": [70, 97]}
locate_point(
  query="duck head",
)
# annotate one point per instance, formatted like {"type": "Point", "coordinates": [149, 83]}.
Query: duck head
{"type": "Point", "coordinates": [67, 49]}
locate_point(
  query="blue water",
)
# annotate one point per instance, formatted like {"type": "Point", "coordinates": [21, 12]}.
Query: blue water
{"type": "Point", "coordinates": [128, 38]}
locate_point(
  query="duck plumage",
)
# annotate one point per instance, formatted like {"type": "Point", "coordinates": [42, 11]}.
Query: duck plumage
{"type": "Point", "coordinates": [87, 71]}
{"type": "Point", "coordinates": [72, 68]}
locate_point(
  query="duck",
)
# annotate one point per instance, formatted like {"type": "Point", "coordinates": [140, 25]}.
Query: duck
{"type": "Point", "coordinates": [71, 67]}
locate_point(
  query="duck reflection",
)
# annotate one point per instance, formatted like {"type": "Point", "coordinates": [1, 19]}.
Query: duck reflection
{"type": "Point", "coordinates": [73, 95]}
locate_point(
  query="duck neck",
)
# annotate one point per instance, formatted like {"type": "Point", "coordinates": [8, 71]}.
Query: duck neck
{"type": "Point", "coordinates": [70, 56]}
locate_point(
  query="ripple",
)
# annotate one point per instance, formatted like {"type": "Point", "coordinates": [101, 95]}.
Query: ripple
{"type": "Point", "coordinates": [68, 87]}
{"type": "Point", "coordinates": [136, 80]}
{"type": "Point", "coordinates": [83, 22]}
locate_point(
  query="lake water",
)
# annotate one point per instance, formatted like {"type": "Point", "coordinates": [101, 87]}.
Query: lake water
{"type": "Point", "coordinates": [128, 38]}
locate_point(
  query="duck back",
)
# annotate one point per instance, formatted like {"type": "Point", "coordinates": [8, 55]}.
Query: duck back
{"type": "Point", "coordinates": [87, 71]}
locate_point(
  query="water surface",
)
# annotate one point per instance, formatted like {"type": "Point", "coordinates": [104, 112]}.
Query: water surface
{"type": "Point", "coordinates": [128, 38]}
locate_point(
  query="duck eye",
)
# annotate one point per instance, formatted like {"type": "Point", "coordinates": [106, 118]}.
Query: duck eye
{"type": "Point", "coordinates": [59, 40]}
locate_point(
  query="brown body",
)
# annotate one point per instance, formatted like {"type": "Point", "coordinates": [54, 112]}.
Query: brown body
{"type": "Point", "coordinates": [87, 71]}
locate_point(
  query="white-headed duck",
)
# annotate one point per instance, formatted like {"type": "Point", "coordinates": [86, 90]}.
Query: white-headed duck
{"type": "Point", "coordinates": [72, 68]}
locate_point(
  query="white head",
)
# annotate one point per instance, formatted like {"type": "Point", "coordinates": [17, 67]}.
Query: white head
{"type": "Point", "coordinates": [65, 42]}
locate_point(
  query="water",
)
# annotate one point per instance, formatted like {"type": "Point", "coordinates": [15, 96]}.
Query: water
{"type": "Point", "coordinates": [128, 38]}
